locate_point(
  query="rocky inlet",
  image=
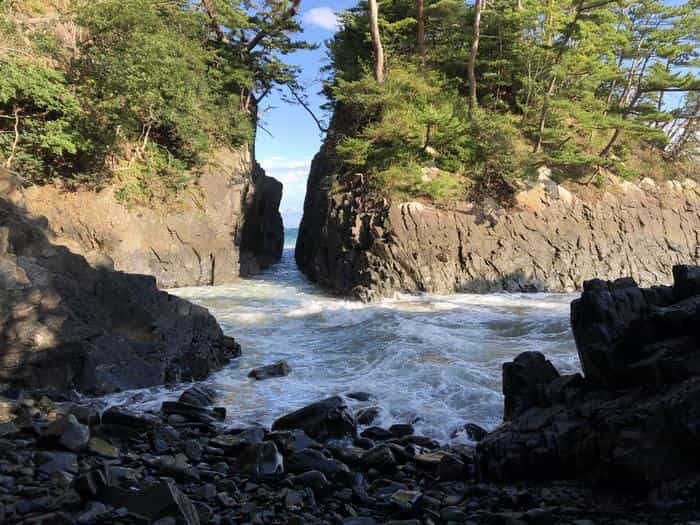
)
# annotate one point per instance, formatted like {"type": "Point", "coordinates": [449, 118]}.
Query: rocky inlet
{"type": "Point", "coordinates": [617, 445]}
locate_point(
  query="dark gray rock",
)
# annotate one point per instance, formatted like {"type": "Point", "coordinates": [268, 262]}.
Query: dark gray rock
{"type": "Point", "coordinates": [313, 479]}
{"type": "Point", "coordinates": [314, 460]}
{"type": "Point", "coordinates": [628, 421]}
{"type": "Point", "coordinates": [67, 325]}
{"type": "Point", "coordinates": [123, 417]}
{"type": "Point", "coordinates": [261, 459]}
{"type": "Point", "coordinates": [322, 420]}
{"type": "Point", "coordinates": [380, 457]}
{"type": "Point", "coordinates": [376, 434]}
{"type": "Point", "coordinates": [157, 501]}
{"type": "Point", "coordinates": [57, 462]}
{"type": "Point", "coordinates": [523, 382]}
{"type": "Point", "coordinates": [198, 396]}
{"type": "Point", "coordinates": [70, 433]}
{"type": "Point", "coordinates": [278, 369]}
{"type": "Point", "coordinates": [366, 416]}
{"type": "Point", "coordinates": [193, 413]}
{"type": "Point", "coordinates": [359, 396]}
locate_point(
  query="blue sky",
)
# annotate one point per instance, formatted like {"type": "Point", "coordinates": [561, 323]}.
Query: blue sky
{"type": "Point", "coordinates": [286, 154]}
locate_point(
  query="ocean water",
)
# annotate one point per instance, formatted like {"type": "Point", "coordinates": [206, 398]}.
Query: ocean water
{"type": "Point", "coordinates": [435, 360]}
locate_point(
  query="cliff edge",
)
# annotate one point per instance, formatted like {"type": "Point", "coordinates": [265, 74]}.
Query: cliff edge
{"type": "Point", "coordinates": [547, 239]}
{"type": "Point", "coordinates": [226, 226]}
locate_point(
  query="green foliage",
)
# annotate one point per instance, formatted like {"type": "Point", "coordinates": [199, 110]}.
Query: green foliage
{"type": "Point", "coordinates": [40, 118]}
{"type": "Point", "coordinates": [144, 89]}
{"type": "Point", "coordinates": [575, 85]}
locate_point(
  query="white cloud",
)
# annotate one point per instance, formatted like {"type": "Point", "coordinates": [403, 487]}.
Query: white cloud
{"type": "Point", "coordinates": [322, 17]}
{"type": "Point", "coordinates": [280, 163]}
{"type": "Point", "coordinates": [293, 175]}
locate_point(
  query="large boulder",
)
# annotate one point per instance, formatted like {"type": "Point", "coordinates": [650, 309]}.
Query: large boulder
{"type": "Point", "coordinates": [67, 325]}
{"type": "Point", "coordinates": [628, 335]}
{"type": "Point", "coordinates": [524, 380]}
{"type": "Point", "coordinates": [323, 420]}
{"type": "Point", "coordinates": [633, 420]}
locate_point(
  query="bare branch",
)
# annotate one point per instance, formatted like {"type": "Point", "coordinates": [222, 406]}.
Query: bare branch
{"type": "Point", "coordinates": [303, 104]}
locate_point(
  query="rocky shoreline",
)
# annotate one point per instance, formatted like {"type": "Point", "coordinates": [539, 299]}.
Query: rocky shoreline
{"type": "Point", "coordinates": [541, 238]}
{"type": "Point", "coordinates": [616, 445]}
{"type": "Point", "coordinates": [67, 325]}
{"type": "Point", "coordinates": [65, 463]}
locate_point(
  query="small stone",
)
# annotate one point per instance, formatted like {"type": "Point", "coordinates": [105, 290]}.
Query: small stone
{"type": "Point", "coordinates": [102, 448]}
{"type": "Point", "coordinates": [311, 459]}
{"type": "Point", "coordinates": [359, 396]}
{"type": "Point", "coordinates": [401, 429]}
{"type": "Point", "coordinates": [450, 468]}
{"type": "Point", "coordinates": [95, 512]}
{"type": "Point", "coordinates": [313, 479]}
{"type": "Point", "coordinates": [406, 500]}
{"type": "Point", "coordinates": [51, 462]}
{"type": "Point", "coordinates": [453, 514]}
{"type": "Point", "coordinates": [380, 457]}
{"type": "Point", "coordinates": [278, 369]}
{"type": "Point", "coordinates": [293, 500]}
{"type": "Point", "coordinates": [198, 396]}
{"type": "Point", "coordinates": [261, 459]}
{"type": "Point", "coordinates": [72, 434]}
{"type": "Point", "coordinates": [376, 434]}
{"type": "Point", "coordinates": [193, 450]}
{"type": "Point", "coordinates": [356, 520]}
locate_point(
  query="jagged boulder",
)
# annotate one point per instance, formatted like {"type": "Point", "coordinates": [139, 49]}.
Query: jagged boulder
{"type": "Point", "coordinates": [64, 324]}
{"type": "Point", "coordinates": [325, 419]}
{"type": "Point", "coordinates": [633, 420]}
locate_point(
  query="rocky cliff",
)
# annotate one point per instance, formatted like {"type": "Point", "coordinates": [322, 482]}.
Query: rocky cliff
{"type": "Point", "coordinates": [546, 239]}
{"type": "Point", "coordinates": [227, 226]}
{"type": "Point", "coordinates": [65, 324]}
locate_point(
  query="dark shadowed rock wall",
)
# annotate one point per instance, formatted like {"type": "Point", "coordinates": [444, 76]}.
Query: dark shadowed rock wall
{"type": "Point", "coordinates": [226, 226]}
{"type": "Point", "coordinates": [356, 244]}
{"type": "Point", "coordinates": [632, 420]}
{"type": "Point", "coordinates": [65, 324]}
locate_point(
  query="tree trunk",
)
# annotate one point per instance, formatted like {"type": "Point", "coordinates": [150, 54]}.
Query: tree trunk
{"type": "Point", "coordinates": [211, 13]}
{"type": "Point", "coordinates": [476, 34]}
{"type": "Point", "coordinates": [376, 41]}
{"type": "Point", "coordinates": [421, 30]}
{"type": "Point", "coordinates": [16, 111]}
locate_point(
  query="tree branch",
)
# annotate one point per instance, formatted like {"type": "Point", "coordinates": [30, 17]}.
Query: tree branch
{"type": "Point", "coordinates": [291, 13]}
{"type": "Point", "coordinates": [303, 104]}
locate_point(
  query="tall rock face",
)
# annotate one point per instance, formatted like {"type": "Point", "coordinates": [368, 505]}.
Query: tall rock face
{"type": "Point", "coordinates": [227, 226]}
{"type": "Point", "coordinates": [65, 324]}
{"type": "Point", "coordinates": [356, 244]}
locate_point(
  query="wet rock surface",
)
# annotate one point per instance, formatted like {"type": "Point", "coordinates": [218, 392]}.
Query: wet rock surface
{"type": "Point", "coordinates": [66, 325]}
{"type": "Point", "coordinates": [252, 475]}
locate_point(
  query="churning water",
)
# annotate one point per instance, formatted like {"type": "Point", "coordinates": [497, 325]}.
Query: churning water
{"type": "Point", "coordinates": [435, 359]}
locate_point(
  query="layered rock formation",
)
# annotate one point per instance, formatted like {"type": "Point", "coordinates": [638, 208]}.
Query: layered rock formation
{"type": "Point", "coordinates": [548, 239]}
{"type": "Point", "coordinates": [633, 419]}
{"type": "Point", "coordinates": [65, 324]}
{"type": "Point", "coordinates": [226, 226]}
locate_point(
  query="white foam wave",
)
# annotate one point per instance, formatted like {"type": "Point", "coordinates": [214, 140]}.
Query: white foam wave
{"type": "Point", "coordinates": [436, 359]}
